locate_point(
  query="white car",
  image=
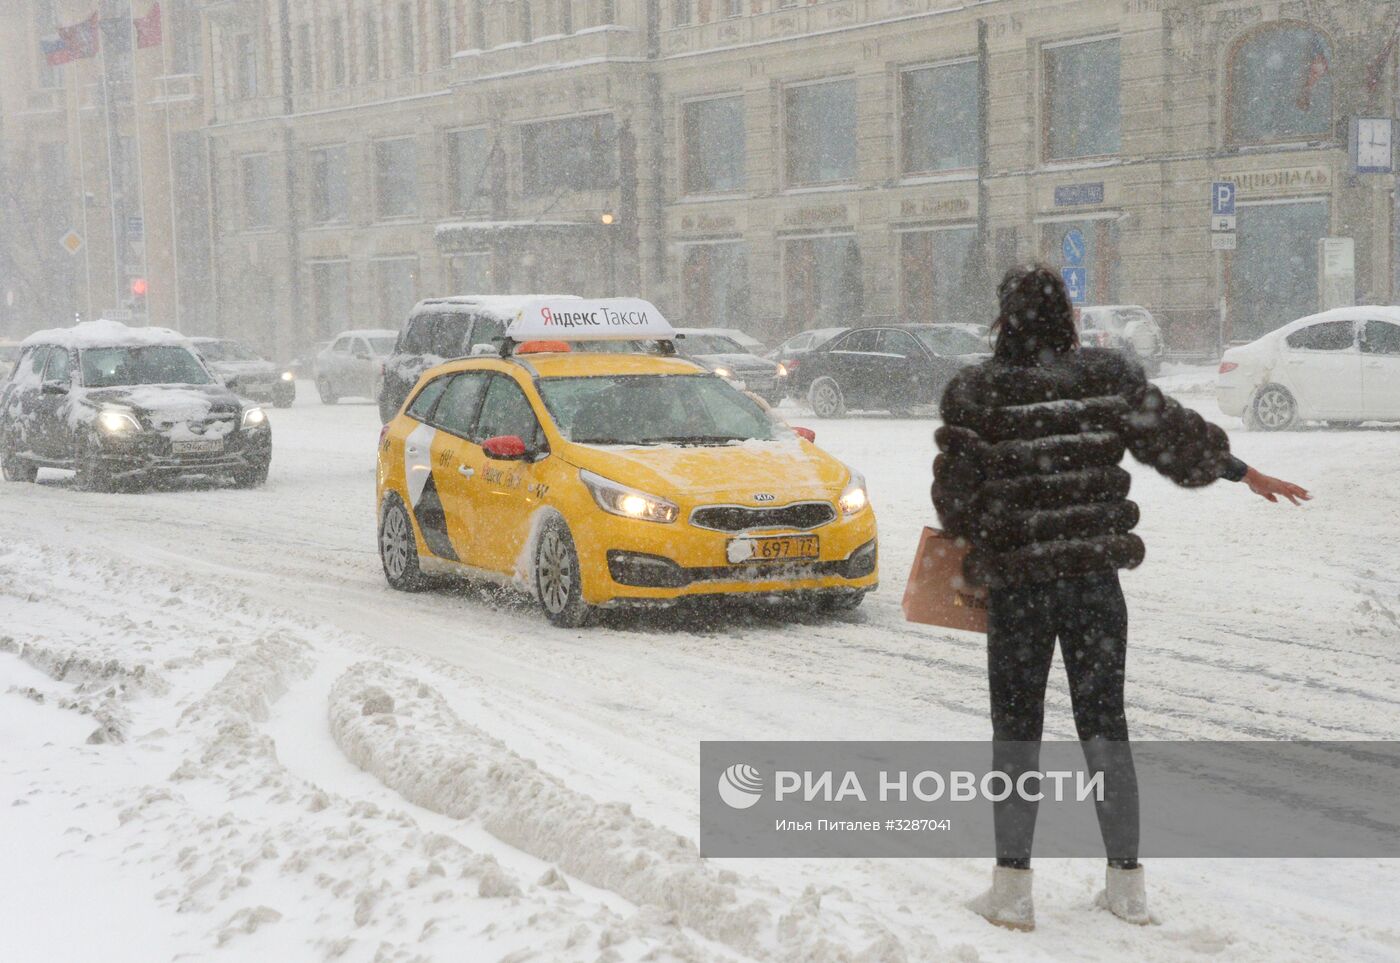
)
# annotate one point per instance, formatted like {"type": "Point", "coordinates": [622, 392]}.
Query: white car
{"type": "Point", "coordinates": [1341, 366]}
{"type": "Point", "coordinates": [1126, 327]}
{"type": "Point", "coordinates": [353, 365]}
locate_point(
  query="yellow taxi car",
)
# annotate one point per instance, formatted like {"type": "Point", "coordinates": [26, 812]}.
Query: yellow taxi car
{"type": "Point", "coordinates": [600, 479]}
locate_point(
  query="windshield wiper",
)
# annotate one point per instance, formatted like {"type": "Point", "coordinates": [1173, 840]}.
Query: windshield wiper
{"type": "Point", "coordinates": [697, 439]}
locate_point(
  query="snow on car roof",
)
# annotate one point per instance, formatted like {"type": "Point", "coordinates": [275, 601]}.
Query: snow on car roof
{"type": "Point", "coordinates": [503, 307]}
{"type": "Point", "coordinates": [1360, 312]}
{"type": "Point", "coordinates": [367, 333]}
{"type": "Point", "coordinates": [104, 334]}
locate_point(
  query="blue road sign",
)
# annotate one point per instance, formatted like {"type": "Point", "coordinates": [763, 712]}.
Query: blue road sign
{"type": "Point", "coordinates": [1077, 283]}
{"type": "Point", "coordinates": [1072, 246]}
{"type": "Point", "coordinates": [1222, 199]}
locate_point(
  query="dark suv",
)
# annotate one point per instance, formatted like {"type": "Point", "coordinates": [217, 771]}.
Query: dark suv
{"type": "Point", "coordinates": [439, 329]}
{"type": "Point", "coordinates": [123, 406]}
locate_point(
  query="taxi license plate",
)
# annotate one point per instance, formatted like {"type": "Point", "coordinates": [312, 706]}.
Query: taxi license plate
{"type": "Point", "coordinates": [772, 549]}
{"type": "Point", "coordinates": [197, 447]}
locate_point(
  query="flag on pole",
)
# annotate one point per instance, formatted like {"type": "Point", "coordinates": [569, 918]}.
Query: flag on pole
{"type": "Point", "coordinates": [80, 40]}
{"type": "Point", "coordinates": [55, 50]}
{"type": "Point", "coordinates": [148, 29]}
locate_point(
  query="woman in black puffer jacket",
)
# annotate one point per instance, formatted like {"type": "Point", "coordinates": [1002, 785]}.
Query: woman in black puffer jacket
{"type": "Point", "coordinates": [1028, 473]}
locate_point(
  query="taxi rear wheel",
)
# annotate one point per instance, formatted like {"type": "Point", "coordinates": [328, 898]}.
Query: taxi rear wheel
{"type": "Point", "coordinates": [558, 584]}
{"type": "Point", "coordinates": [826, 398]}
{"type": "Point", "coordinates": [398, 550]}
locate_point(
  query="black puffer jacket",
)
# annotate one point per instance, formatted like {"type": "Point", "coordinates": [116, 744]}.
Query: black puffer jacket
{"type": "Point", "coordinates": [1028, 467]}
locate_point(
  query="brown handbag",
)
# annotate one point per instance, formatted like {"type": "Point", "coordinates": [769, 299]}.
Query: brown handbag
{"type": "Point", "coordinates": [937, 593]}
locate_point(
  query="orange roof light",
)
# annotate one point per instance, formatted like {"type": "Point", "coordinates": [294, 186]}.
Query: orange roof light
{"type": "Point", "coordinates": [543, 347]}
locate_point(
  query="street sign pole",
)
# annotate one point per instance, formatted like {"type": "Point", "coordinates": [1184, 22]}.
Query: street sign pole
{"type": "Point", "coordinates": [1222, 239]}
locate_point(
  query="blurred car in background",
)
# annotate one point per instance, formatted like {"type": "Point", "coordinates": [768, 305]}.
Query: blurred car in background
{"type": "Point", "coordinates": [304, 364]}
{"type": "Point", "coordinates": [246, 372]}
{"type": "Point", "coordinates": [897, 368]}
{"type": "Point", "coordinates": [9, 354]}
{"type": "Point", "coordinates": [750, 344]}
{"type": "Point", "coordinates": [353, 365]}
{"type": "Point", "coordinates": [125, 406]}
{"type": "Point", "coordinates": [1129, 328]}
{"type": "Point", "coordinates": [799, 344]}
{"type": "Point", "coordinates": [1340, 366]}
{"type": "Point", "coordinates": [727, 358]}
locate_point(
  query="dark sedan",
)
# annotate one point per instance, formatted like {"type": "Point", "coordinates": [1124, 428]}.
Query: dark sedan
{"type": "Point", "coordinates": [897, 368]}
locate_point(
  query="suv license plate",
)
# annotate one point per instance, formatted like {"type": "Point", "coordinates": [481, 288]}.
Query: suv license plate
{"type": "Point", "coordinates": [197, 447]}
{"type": "Point", "coordinates": [774, 549]}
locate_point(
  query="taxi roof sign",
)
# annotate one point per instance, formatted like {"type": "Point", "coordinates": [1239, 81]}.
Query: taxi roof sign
{"type": "Point", "coordinates": [604, 319]}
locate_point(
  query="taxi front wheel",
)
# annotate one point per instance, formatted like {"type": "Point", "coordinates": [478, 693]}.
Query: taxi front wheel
{"type": "Point", "coordinates": [398, 549]}
{"type": "Point", "coordinates": [558, 583]}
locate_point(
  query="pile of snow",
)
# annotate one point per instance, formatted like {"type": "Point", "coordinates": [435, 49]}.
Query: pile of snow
{"type": "Point", "coordinates": [406, 734]}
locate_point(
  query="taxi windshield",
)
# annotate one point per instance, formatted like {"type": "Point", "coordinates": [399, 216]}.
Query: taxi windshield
{"type": "Point", "coordinates": [653, 410]}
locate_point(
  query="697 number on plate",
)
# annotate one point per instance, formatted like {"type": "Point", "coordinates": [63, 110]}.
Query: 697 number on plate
{"type": "Point", "coordinates": [776, 548]}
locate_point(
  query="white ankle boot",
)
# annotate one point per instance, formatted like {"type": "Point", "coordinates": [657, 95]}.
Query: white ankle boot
{"type": "Point", "coordinates": [1008, 903]}
{"type": "Point", "coordinates": [1125, 895]}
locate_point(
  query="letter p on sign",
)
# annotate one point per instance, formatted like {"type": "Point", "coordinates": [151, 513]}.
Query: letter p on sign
{"type": "Point", "coordinates": [1222, 198]}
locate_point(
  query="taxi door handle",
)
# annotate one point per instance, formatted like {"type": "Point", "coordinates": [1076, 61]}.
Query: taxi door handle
{"type": "Point", "coordinates": [412, 450]}
{"type": "Point", "coordinates": [465, 472]}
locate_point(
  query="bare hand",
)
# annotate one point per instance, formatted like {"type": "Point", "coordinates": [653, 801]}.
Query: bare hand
{"type": "Point", "coordinates": [1266, 486]}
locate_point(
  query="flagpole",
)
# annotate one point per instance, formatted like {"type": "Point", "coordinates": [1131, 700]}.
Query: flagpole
{"type": "Point", "coordinates": [170, 171]}
{"type": "Point", "coordinates": [111, 171]}
{"type": "Point", "coordinates": [82, 184]}
{"type": "Point", "coordinates": [140, 155]}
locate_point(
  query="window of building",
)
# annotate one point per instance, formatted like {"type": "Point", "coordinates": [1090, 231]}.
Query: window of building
{"type": "Point", "coordinates": [1083, 115]}
{"type": "Point", "coordinates": [372, 55]}
{"type": "Point", "coordinates": [246, 63]}
{"type": "Point", "coordinates": [573, 154]}
{"type": "Point", "coordinates": [468, 162]}
{"type": "Point", "coordinates": [306, 58]}
{"type": "Point", "coordinates": [396, 177]}
{"type": "Point", "coordinates": [680, 12]}
{"type": "Point", "coordinates": [396, 282]}
{"type": "Point", "coordinates": [1273, 271]}
{"type": "Point", "coordinates": [445, 29]}
{"type": "Point", "coordinates": [181, 29]}
{"type": "Point", "coordinates": [715, 283]}
{"type": "Point", "coordinates": [1280, 86]}
{"type": "Point", "coordinates": [822, 281]}
{"type": "Point", "coordinates": [471, 273]}
{"type": "Point", "coordinates": [939, 125]}
{"type": "Point", "coordinates": [330, 185]}
{"type": "Point", "coordinates": [408, 60]}
{"type": "Point", "coordinates": [256, 172]}
{"type": "Point", "coordinates": [820, 133]}
{"type": "Point", "coordinates": [526, 21]}
{"type": "Point", "coordinates": [713, 131]}
{"type": "Point", "coordinates": [939, 277]}
{"type": "Point", "coordinates": [478, 12]}
{"type": "Point", "coordinates": [564, 16]}
{"type": "Point", "coordinates": [340, 71]}
{"type": "Point", "coordinates": [609, 11]}
{"type": "Point", "coordinates": [733, 8]}
{"type": "Point", "coordinates": [330, 292]}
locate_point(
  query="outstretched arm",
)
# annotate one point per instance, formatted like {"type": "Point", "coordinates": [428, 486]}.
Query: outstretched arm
{"type": "Point", "coordinates": [1266, 486]}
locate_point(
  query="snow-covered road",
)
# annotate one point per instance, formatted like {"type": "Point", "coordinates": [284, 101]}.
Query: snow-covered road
{"type": "Point", "coordinates": [1250, 621]}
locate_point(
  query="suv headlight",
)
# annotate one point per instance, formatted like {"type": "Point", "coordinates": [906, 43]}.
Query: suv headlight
{"type": "Point", "coordinates": [854, 499]}
{"type": "Point", "coordinates": [618, 499]}
{"type": "Point", "coordinates": [114, 421]}
{"type": "Point", "coordinates": [288, 376]}
{"type": "Point", "coordinates": [254, 418]}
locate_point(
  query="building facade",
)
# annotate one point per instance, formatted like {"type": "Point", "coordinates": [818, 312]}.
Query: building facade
{"type": "Point", "coordinates": [763, 164]}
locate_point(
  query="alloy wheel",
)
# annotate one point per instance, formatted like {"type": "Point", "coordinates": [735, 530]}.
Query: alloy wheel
{"type": "Point", "coordinates": [556, 572]}
{"type": "Point", "coordinates": [1274, 409]}
{"type": "Point", "coordinates": [394, 543]}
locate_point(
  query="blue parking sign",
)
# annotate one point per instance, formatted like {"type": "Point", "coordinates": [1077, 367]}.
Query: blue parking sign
{"type": "Point", "coordinates": [1222, 199]}
{"type": "Point", "coordinates": [1077, 283]}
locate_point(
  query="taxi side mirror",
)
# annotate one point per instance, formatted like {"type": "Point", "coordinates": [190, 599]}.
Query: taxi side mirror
{"type": "Point", "coordinates": [807, 433]}
{"type": "Point", "coordinates": [504, 448]}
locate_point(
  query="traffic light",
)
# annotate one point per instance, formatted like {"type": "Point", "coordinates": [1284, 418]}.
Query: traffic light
{"type": "Point", "coordinates": [138, 296]}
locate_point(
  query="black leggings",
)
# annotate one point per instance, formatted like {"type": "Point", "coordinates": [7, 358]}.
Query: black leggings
{"type": "Point", "coordinates": [1090, 618]}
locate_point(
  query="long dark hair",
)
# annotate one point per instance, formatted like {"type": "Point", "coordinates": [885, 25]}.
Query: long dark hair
{"type": "Point", "coordinates": [1036, 321]}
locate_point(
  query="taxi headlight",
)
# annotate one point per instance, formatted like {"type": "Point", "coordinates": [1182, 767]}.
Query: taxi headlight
{"type": "Point", "coordinates": [618, 499]}
{"type": "Point", "coordinates": [854, 499]}
{"type": "Point", "coordinates": [254, 418]}
{"type": "Point", "coordinates": [116, 422]}
{"type": "Point", "coordinates": [724, 372]}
